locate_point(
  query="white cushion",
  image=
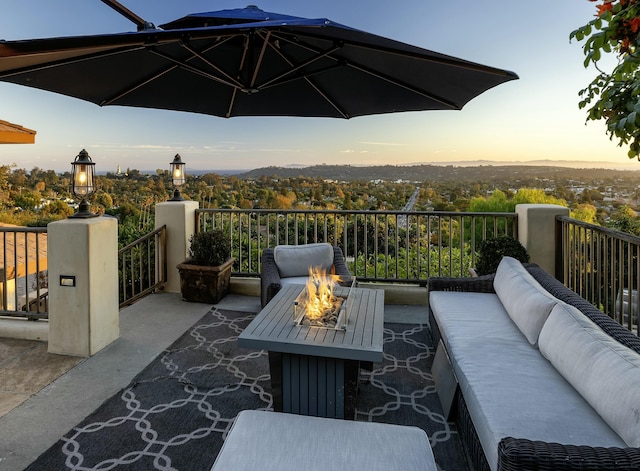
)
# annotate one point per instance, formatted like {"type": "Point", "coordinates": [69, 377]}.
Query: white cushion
{"type": "Point", "coordinates": [295, 260]}
{"type": "Point", "coordinates": [604, 372]}
{"type": "Point", "coordinates": [274, 441]}
{"type": "Point", "coordinates": [527, 303]}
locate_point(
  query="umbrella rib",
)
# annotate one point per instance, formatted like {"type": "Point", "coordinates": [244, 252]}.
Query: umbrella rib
{"type": "Point", "coordinates": [440, 58]}
{"type": "Point", "coordinates": [135, 87]}
{"type": "Point", "coordinates": [281, 78]}
{"type": "Point", "coordinates": [159, 74]}
{"type": "Point", "coordinates": [234, 93]}
{"type": "Point", "coordinates": [354, 65]}
{"type": "Point", "coordinates": [73, 60]}
{"type": "Point", "coordinates": [191, 68]}
{"type": "Point", "coordinates": [287, 80]}
{"type": "Point", "coordinates": [265, 43]}
{"type": "Point", "coordinates": [424, 93]}
{"type": "Point", "coordinates": [313, 85]}
{"type": "Point", "coordinates": [231, 102]}
{"type": "Point", "coordinates": [250, 87]}
{"type": "Point", "coordinates": [211, 64]}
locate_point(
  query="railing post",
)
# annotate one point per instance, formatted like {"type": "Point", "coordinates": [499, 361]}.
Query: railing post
{"type": "Point", "coordinates": [83, 285]}
{"type": "Point", "coordinates": [560, 250]}
{"type": "Point", "coordinates": [537, 232]}
{"type": "Point", "coordinates": [180, 219]}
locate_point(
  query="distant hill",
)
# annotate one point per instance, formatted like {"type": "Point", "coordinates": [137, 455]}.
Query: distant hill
{"type": "Point", "coordinates": [420, 173]}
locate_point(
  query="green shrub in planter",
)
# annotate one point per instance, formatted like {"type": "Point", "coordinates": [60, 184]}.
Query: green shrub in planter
{"type": "Point", "coordinates": [209, 248]}
{"type": "Point", "coordinates": [491, 251]}
{"type": "Point", "coordinates": [205, 276]}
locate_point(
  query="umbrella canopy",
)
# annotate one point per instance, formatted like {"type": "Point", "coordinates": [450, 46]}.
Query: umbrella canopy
{"type": "Point", "coordinates": [247, 62]}
{"type": "Point", "coordinates": [15, 134]}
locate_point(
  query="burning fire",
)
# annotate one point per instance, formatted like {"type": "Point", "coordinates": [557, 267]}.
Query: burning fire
{"type": "Point", "coordinates": [320, 302]}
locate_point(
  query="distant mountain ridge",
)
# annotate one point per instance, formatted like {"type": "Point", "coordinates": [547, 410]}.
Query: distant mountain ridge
{"type": "Point", "coordinates": [432, 172]}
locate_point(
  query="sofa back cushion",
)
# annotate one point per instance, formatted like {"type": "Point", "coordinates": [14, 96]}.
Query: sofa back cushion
{"type": "Point", "coordinates": [603, 371]}
{"type": "Point", "coordinates": [295, 260]}
{"type": "Point", "coordinates": [527, 303]}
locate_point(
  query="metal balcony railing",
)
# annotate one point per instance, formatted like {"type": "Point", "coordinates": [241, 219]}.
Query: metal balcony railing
{"type": "Point", "coordinates": [380, 246]}
{"type": "Point", "coordinates": [603, 266]}
{"type": "Point", "coordinates": [23, 272]}
{"type": "Point", "coordinates": [142, 266]}
{"type": "Point", "coordinates": [600, 264]}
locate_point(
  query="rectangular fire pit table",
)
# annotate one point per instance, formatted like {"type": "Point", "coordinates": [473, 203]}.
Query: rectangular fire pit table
{"type": "Point", "coordinates": [314, 370]}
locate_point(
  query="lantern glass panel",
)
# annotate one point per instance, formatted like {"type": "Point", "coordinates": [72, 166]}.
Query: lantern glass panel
{"type": "Point", "coordinates": [83, 179]}
{"type": "Point", "coordinates": [177, 172]}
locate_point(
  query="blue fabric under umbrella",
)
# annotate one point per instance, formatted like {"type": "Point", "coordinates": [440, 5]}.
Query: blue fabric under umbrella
{"type": "Point", "coordinates": [247, 62]}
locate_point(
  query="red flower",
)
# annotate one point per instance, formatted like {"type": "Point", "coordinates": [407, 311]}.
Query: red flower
{"type": "Point", "coordinates": [607, 6]}
{"type": "Point", "coordinates": [634, 24]}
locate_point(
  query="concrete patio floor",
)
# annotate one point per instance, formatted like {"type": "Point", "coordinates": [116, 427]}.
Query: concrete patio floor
{"type": "Point", "coordinates": [42, 395]}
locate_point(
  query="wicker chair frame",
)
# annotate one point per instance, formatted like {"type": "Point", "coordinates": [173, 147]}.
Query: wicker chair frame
{"type": "Point", "coordinates": [270, 282]}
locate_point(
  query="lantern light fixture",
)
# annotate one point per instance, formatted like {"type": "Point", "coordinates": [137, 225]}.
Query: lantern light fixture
{"type": "Point", "coordinates": [178, 177]}
{"type": "Point", "coordinates": [83, 183]}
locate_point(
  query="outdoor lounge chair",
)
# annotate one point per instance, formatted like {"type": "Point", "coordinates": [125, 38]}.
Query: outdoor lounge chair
{"type": "Point", "coordinates": [287, 264]}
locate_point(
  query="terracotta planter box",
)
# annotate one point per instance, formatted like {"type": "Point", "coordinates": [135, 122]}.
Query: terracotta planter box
{"type": "Point", "coordinates": [204, 284]}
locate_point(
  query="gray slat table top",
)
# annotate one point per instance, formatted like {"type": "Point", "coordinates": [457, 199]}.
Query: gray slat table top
{"type": "Point", "coordinates": [274, 330]}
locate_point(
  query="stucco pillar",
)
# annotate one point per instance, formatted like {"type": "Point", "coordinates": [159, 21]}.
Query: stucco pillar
{"type": "Point", "coordinates": [83, 285]}
{"type": "Point", "coordinates": [537, 232]}
{"type": "Point", "coordinates": [180, 219]}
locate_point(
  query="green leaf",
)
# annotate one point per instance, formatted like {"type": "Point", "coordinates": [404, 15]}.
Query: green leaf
{"type": "Point", "coordinates": [621, 124]}
{"type": "Point", "coordinates": [630, 124]}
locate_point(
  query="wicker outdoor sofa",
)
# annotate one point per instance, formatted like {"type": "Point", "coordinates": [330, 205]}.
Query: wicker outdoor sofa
{"type": "Point", "coordinates": [475, 415]}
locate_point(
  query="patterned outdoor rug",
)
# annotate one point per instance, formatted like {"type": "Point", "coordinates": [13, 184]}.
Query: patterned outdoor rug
{"type": "Point", "coordinates": [177, 411]}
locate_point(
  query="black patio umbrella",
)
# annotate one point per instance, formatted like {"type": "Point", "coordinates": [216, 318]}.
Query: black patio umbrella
{"type": "Point", "coordinates": [248, 62]}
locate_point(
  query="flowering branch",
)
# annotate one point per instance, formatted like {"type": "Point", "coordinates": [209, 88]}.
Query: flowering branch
{"type": "Point", "coordinates": [614, 96]}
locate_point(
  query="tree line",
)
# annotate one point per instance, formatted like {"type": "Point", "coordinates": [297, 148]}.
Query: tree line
{"type": "Point", "coordinates": [38, 196]}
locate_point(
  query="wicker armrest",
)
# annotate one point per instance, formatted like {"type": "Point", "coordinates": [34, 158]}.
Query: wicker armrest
{"type": "Point", "coordinates": [269, 277]}
{"type": "Point", "coordinates": [340, 267]}
{"type": "Point", "coordinates": [479, 284]}
{"type": "Point", "coordinates": [521, 454]}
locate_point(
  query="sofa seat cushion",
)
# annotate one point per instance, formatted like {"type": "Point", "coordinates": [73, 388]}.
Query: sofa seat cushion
{"type": "Point", "coordinates": [295, 260]}
{"type": "Point", "coordinates": [527, 303]}
{"type": "Point", "coordinates": [604, 372]}
{"type": "Point", "coordinates": [468, 315]}
{"type": "Point", "coordinates": [510, 389]}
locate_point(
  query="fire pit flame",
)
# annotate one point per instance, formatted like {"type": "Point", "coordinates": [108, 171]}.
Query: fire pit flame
{"type": "Point", "coordinates": [318, 305]}
{"type": "Point", "coordinates": [320, 300]}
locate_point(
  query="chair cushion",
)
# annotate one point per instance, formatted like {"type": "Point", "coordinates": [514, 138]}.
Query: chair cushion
{"type": "Point", "coordinates": [295, 260]}
{"type": "Point", "coordinates": [268, 441]}
{"type": "Point", "coordinates": [527, 303]}
{"type": "Point", "coordinates": [604, 372]}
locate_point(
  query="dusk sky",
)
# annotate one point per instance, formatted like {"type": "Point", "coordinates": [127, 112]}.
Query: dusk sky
{"type": "Point", "coordinates": [533, 118]}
